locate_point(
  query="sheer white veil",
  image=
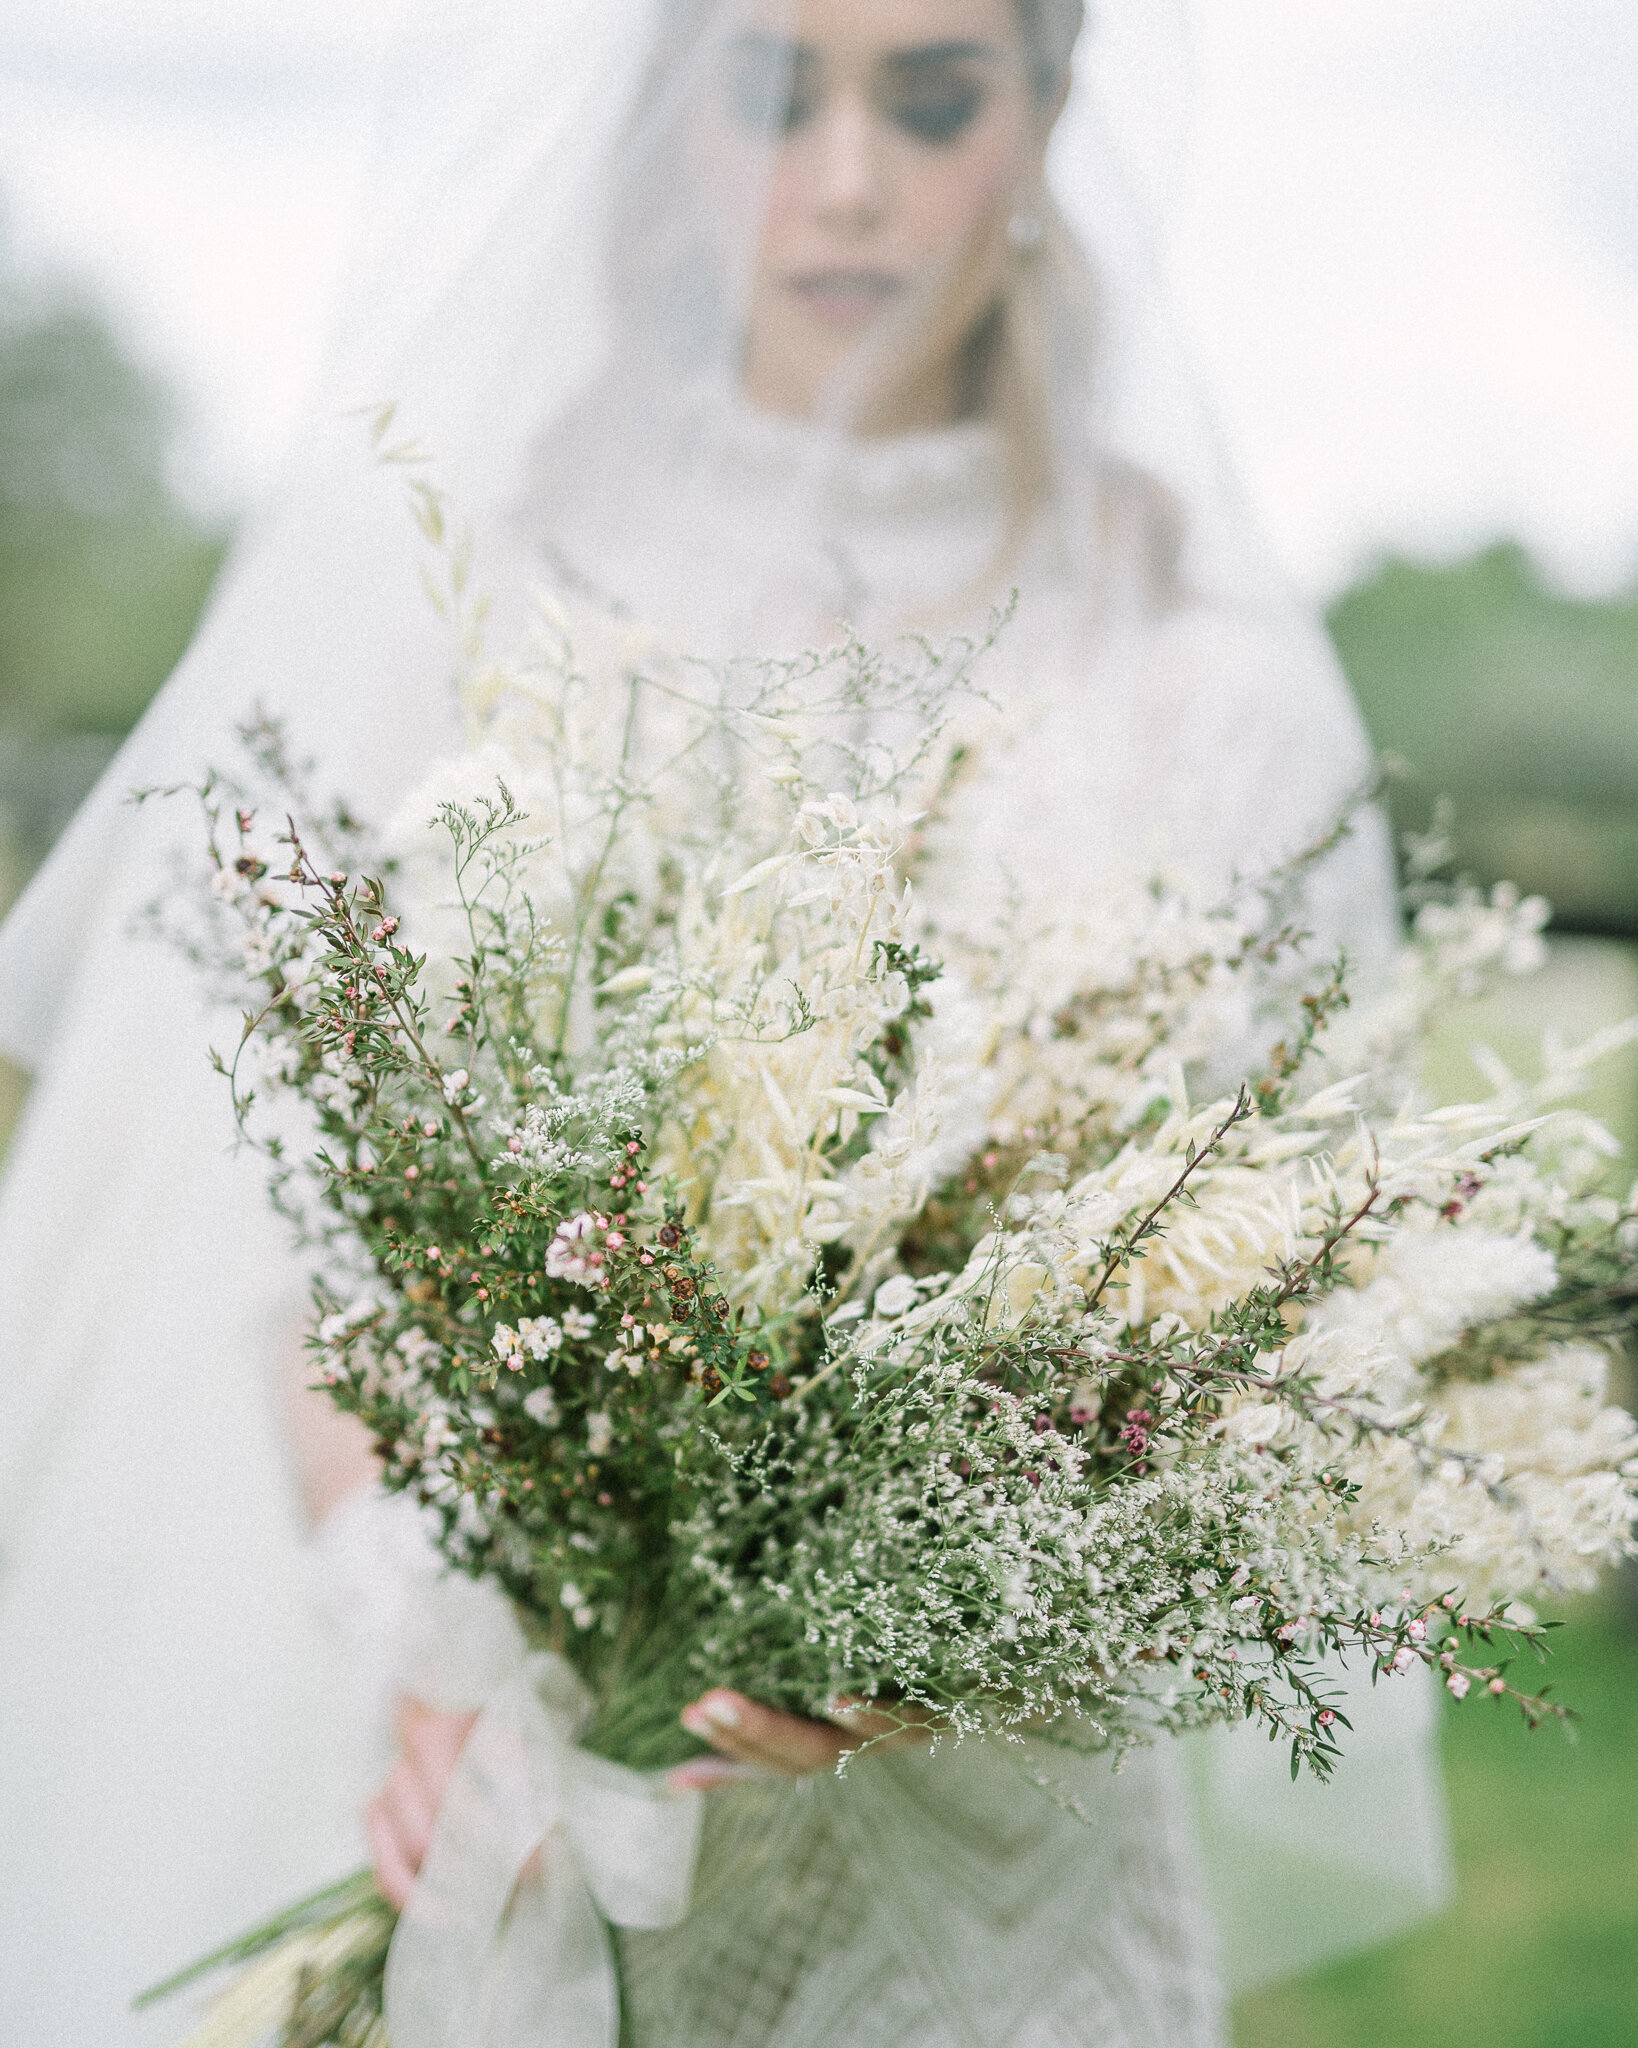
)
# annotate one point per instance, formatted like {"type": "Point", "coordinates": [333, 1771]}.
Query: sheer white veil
{"type": "Point", "coordinates": [174, 1755]}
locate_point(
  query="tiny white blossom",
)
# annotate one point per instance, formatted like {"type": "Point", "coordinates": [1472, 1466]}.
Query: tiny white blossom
{"type": "Point", "coordinates": [540, 1336]}
{"type": "Point", "coordinates": [541, 1407]}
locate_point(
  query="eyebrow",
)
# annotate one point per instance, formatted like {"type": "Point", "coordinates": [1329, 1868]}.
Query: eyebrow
{"type": "Point", "coordinates": [935, 56]}
{"type": "Point", "coordinates": [922, 57]}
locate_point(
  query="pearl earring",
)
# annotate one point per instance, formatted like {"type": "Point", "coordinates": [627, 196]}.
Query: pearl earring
{"type": "Point", "coordinates": [1024, 229]}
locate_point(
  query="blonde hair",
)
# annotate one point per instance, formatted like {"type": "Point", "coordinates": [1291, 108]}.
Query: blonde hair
{"type": "Point", "coordinates": [1012, 368]}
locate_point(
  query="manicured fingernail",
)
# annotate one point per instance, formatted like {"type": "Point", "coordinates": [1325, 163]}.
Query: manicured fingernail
{"type": "Point", "coordinates": [720, 1711]}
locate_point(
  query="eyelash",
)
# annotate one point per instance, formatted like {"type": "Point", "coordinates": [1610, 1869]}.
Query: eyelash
{"type": "Point", "coordinates": [938, 121]}
{"type": "Point", "coordinates": [933, 122]}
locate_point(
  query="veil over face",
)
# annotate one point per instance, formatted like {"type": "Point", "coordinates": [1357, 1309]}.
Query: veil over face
{"type": "Point", "coordinates": [743, 318]}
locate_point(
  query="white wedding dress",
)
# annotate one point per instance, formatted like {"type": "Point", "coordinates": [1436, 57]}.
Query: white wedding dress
{"type": "Point", "coordinates": [184, 1742]}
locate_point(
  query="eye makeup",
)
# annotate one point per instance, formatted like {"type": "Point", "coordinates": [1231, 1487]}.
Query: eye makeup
{"type": "Point", "coordinates": [932, 94]}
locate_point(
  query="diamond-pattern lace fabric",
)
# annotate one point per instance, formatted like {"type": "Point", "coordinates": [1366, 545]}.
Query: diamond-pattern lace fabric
{"type": "Point", "coordinates": [939, 1900]}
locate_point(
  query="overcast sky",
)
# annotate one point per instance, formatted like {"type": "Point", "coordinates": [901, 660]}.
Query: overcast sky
{"type": "Point", "coordinates": [1408, 243]}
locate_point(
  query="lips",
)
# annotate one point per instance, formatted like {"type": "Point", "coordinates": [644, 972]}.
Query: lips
{"type": "Point", "coordinates": [844, 298]}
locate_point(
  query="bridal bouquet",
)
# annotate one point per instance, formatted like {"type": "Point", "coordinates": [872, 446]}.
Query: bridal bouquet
{"type": "Point", "coordinates": [769, 1282]}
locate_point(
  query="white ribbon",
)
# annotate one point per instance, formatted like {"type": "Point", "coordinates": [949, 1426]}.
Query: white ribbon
{"type": "Point", "coordinates": [501, 1947]}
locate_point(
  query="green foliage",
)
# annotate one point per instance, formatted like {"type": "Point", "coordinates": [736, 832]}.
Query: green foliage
{"type": "Point", "coordinates": [102, 573]}
{"type": "Point", "coordinates": [1540, 1949]}
{"type": "Point", "coordinates": [1518, 704]}
{"type": "Point", "coordinates": [102, 570]}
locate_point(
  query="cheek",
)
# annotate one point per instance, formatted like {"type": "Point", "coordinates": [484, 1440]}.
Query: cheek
{"type": "Point", "coordinates": [784, 202]}
{"type": "Point", "coordinates": [949, 201]}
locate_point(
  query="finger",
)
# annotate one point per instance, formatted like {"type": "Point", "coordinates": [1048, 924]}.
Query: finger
{"type": "Point", "coordinates": [431, 1743]}
{"type": "Point", "coordinates": [394, 1873]}
{"type": "Point", "coordinates": [406, 1802]}
{"type": "Point", "coordinates": [749, 1733]}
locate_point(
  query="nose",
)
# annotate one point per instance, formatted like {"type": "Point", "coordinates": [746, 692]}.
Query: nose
{"type": "Point", "coordinates": [850, 192]}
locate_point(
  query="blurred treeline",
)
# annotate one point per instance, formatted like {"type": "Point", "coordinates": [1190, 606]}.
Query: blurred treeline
{"type": "Point", "coordinates": [102, 569]}
{"type": "Point", "coordinates": [1520, 707]}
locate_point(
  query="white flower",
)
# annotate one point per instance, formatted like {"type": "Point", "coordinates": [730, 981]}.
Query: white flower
{"type": "Point", "coordinates": [578, 1324]}
{"type": "Point", "coordinates": [540, 1336]}
{"type": "Point", "coordinates": [627, 982]}
{"type": "Point", "coordinates": [1430, 1286]}
{"type": "Point", "coordinates": [340, 1325]}
{"type": "Point", "coordinates": [599, 1433]}
{"type": "Point", "coordinates": [572, 1255]}
{"type": "Point", "coordinates": [541, 1407]}
{"type": "Point", "coordinates": [895, 1296]}
{"type": "Point", "coordinates": [1259, 1422]}
{"type": "Point", "coordinates": [507, 1347]}
{"type": "Point", "coordinates": [581, 1611]}
{"type": "Point", "coordinates": [455, 1085]}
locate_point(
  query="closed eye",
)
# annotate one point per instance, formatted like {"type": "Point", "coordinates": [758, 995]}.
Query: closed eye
{"type": "Point", "coordinates": [938, 118]}
{"type": "Point", "coordinates": [936, 91]}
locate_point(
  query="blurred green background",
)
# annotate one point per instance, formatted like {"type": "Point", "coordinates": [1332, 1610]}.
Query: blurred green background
{"type": "Point", "coordinates": [1516, 702]}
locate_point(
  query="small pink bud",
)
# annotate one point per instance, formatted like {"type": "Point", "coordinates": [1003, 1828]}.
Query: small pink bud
{"type": "Point", "coordinates": [1457, 1685]}
{"type": "Point", "coordinates": [1498, 1686]}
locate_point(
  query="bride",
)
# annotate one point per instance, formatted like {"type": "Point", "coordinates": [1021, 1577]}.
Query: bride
{"type": "Point", "coordinates": [738, 322]}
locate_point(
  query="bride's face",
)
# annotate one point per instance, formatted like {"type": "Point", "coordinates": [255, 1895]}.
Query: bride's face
{"type": "Point", "coordinates": [888, 144]}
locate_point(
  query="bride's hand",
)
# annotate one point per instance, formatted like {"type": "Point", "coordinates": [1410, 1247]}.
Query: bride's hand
{"type": "Point", "coordinates": [751, 1741]}
{"type": "Point", "coordinates": [399, 1819]}
{"type": "Point", "coordinates": [757, 1742]}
